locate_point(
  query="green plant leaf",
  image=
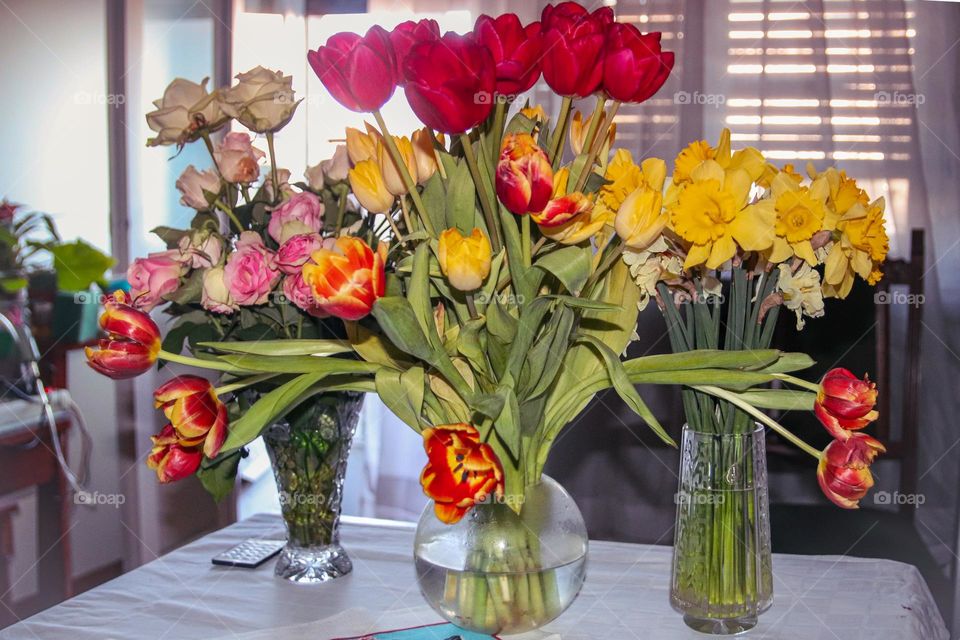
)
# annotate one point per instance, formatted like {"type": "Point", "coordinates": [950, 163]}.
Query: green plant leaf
{"type": "Point", "coordinates": [402, 393]}
{"type": "Point", "coordinates": [780, 399]}
{"type": "Point", "coordinates": [78, 265]}
{"type": "Point", "coordinates": [190, 291]}
{"type": "Point", "coordinates": [399, 322]}
{"type": "Point", "coordinates": [571, 266]}
{"type": "Point", "coordinates": [170, 236]}
{"type": "Point", "coordinates": [789, 362]}
{"type": "Point", "coordinates": [418, 293]}
{"type": "Point", "coordinates": [546, 356]}
{"type": "Point", "coordinates": [281, 347]}
{"type": "Point", "coordinates": [461, 201]}
{"type": "Point", "coordinates": [269, 408]}
{"type": "Point", "coordinates": [754, 360]}
{"type": "Point", "coordinates": [219, 476]}
{"type": "Point", "coordinates": [298, 364]}
{"type": "Point", "coordinates": [434, 198]}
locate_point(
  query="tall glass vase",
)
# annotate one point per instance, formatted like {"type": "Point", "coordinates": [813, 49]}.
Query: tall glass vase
{"type": "Point", "coordinates": [722, 579]}
{"type": "Point", "coordinates": [309, 451]}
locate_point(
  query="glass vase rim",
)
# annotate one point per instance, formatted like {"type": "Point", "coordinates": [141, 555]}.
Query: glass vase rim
{"type": "Point", "coordinates": [759, 429]}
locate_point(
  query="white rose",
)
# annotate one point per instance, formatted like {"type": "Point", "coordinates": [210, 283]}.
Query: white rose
{"type": "Point", "coordinates": [201, 249]}
{"type": "Point", "coordinates": [336, 168]}
{"type": "Point", "coordinates": [193, 184]}
{"type": "Point", "coordinates": [184, 112]}
{"type": "Point", "coordinates": [262, 101]}
{"type": "Point", "coordinates": [314, 176]}
{"type": "Point", "coordinates": [216, 296]}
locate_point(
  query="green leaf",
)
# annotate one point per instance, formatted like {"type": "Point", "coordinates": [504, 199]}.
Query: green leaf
{"type": "Point", "coordinates": [704, 359]}
{"type": "Point", "coordinates": [12, 285]}
{"type": "Point", "coordinates": [471, 344]}
{"type": "Point", "coordinates": [625, 389]}
{"type": "Point", "coordinates": [789, 362]}
{"type": "Point", "coordinates": [298, 364]}
{"type": "Point", "coordinates": [190, 291]}
{"type": "Point", "coordinates": [218, 476]}
{"type": "Point", "coordinates": [780, 399]}
{"type": "Point", "coordinates": [282, 347]}
{"type": "Point", "coordinates": [461, 201]}
{"type": "Point", "coordinates": [269, 408]}
{"type": "Point", "coordinates": [173, 341]}
{"type": "Point", "coordinates": [399, 322]}
{"type": "Point", "coordinates": [570, 265]}
{"type": "Point", "coordinates": [725, 378]}
{"type": "Point", "coordinates": [170, 236]}
{"type": "Point", "coordinates": [418, 293]}
{"type": "Point", "coordinates": [546, 356]}
{"type": "Point", "coordinates": [78, 265]}
{"type": "Point", "coordinates": [519, 124]}
{"type": "Point", "coordinates": [402, 393]}
{"type": "Point", "coordinates": [434, 198]}
{"type": "Point", "coordinates": [583, 303]}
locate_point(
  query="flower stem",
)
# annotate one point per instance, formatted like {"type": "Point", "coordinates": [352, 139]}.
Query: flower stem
{"type": "Point", "coordinates": [485, 204]}
{"type": "Point", "coordinates": [275, 196]}
{"type": "Point", "coordinates": [405, 174]}
{"type": "Point", "coordinates": [216, 365]}
{"type": "Point", "coordinates": [525, 238]}
{"type": "Point", "coordinates": [759, 415]}
{"type": "Point", "coordinates": [246, 382]}
{"type": "Point", "coordinates": [798, 382]}
{"type": "Point", "coordinates": [559, 133]}
{"type": "Point", "coordinates": [591, 136]}
{"type": "Point", "coordinates": [230, 214]}
{"type": "Point", "coordinates": [472, 307]}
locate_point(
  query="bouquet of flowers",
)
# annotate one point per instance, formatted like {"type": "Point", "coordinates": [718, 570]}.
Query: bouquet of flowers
{"type": "Point", "coordinates": [485, 288]}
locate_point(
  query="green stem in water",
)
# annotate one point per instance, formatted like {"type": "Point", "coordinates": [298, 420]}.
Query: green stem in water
{"type": "Point", "coordinates": [405, 174]}
{"type": "Point", "coordinates": [485, 203]}
{"type": "Point", "coordinates": [559, 133]}
{"type": "Point", "coordinates": [759, 415]}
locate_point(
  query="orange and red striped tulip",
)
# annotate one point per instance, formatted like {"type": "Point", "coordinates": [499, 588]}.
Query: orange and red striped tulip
{"type": "Point", "coordinates": [196, 413]}
{"type": "Point", "coordinates": [132, 343]}
{"type": "Point", "coordinates": [845, 403]}
{"type": "Point", "coordinates": [563, 209]}
{"type": "Point", "coordinates": [524, 175]}
{"type": "Point", "coordinates": [170, 459]}
{"type": "Point", "coordinates": [844, 469]}
{"type": "Point", "coordinates": [347, 279]}
{"type": "Point", "coordinates": [461, 471]}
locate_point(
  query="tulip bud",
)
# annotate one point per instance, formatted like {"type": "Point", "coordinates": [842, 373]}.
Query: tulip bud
{"type": "Point", "coordinates": [362, 146]}
{"type": "Point", "coordinates": [465, 260]}
{"type": "Point", "coordinates": [424, 154]}
{"type": "Point", "coordinates": [170, 459]}
{"type": "Point", "coordinates": [579, 130]}
{"type": "Point", "coordinates": [844, 469]}
{"type": "Point", "coordinates": [845, 403]}
{"type": "Point", "coordinates": [563, 209]}
{"type": "Point", "coordinates": [524, 175]}
{"type": "Point", "coordinates": [132, 343]}
{"type": "Point", "coordinates": [641, 219]}
{"type": "Point", "coordinates": [368, 186]}
{"type": "Point", "coordinates": [392, 177]}
{"type": "Point", "coordinates": [195, 412]}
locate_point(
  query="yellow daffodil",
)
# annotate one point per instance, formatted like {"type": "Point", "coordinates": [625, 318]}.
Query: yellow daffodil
{"type": "Point", "coordinates": [793, 214]}
{"type": "Point", "coordinates": [845, 195]}
{"type": "Point", "coordinates": [362, 146]}
{"type": "Point", "coordinates": [771, 171]}
{"type": "Point", "coordinates": [623, 177]}
{"type": "Point", "coordinates": [748, 158]}
{"type": "Point", "coordinates": [711, 214]}
{"type": "Point", "coordinates": [801, 291]}
{"type": "Point", "coordinates": [368, 186]}
{"type": "Point", "coordinates": [389, 169]}
{"type": "Point", "coordinates": [861, 248]}
{"type": "Point", "coordinates": [465, 260]}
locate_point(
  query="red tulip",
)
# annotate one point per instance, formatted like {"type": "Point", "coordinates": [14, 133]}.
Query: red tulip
{"type": "Point", "coordinates": [171, 460]}
{"type": "Point", "coordinates": [562, 210]}
{"type": "Point", "coordinates": [450, 83]}
{"type": "Point", "coordinates": [524, 175]}
{"type": "Point", "coordinates": [516, 51]}
{"type": "Point", "coordinates": [573, 42]}
{"type": "Point", "coordinates": [634, 67]}
{"type": "Point", "coordinates": [359, 72]}
{"type": "Point", "coordinates": [132, 343]}
{"type": "Point", "coordinates": [845, 403]}
{"type": "Point", "coordinates": [196, 413]}
{"type": "Point", "coordinates": [406, 34]}
{"type": "Point", "coordinates": [844, 469]}
{"type": "Point", "coordinates": [348, 279]}
{"type": "Point", "coordinates": [461, 471]}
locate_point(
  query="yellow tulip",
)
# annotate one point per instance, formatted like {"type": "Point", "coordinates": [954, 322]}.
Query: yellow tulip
{"type": "Point", "coordinates": [641, 219]}
{"type": "Point", "coordinates": [465, 260]}
{"type": "Point", "coordinates": [362, 146]}
{"type": "Point", "coordinates": [535, 113]}
{"type": "Point", "coordinates": [368, 185]}
{"type": "Point", "coordinates": [390, 171]}
{"type": "Point", "coordinates": [579, 128]}
{"type": "Point", "coordinates": [424, 154]}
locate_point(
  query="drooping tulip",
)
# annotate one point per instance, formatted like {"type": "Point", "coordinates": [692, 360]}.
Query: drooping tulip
{"type": "Point", "coordinates": [465, 260]}
{"type": "Point", "coordinates": [171, 460]}
{"type": "Point", "coordinates": [516, 51]}
{"type": "Point", "coordinates": [461, 471]}
{"type": "Point", "coordinates": [347, 279]}
{"type": "Point", "coordinates": [360, 72]}
{"type": "Point", "coordinates": [573, 41]}
{"type": "Point", "coordinates": [524, 176]}
{"type": "Point", "coordinates": [634, 67]}
{"type": "Point", "coordinates": [195, 412]}
{"type": "Point", "coordinates": [844, 469]}
{"type": "Point", "coordinates": [132, 343]}
{"type": "Point", "coordinates": [845, 403]}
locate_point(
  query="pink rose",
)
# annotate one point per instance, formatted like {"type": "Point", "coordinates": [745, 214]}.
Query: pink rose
{"type": "Point", "coordinates": [154, 277]}
{"type": "Point", "coordinates": [295, 252]}
{"type": "Point", "coordinates": [237, 159]}
{"type": "Point", "coordinates": [302, 213]}
{"type": "Point", "coordinates": [201, 250]}
{"type": "Point", "coordinates": [216, 296]}
{"type": "Point", "coordinates": [251, 270]}
{"type": "Point", "coordinates": [299, 293]}
{"type": "Point", "coordinates": [194, 185]}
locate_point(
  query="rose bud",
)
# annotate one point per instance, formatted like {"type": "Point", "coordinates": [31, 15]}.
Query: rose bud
{"type": "Point", "coordinates": [196, 413]}
{"type": "Point", "coordinates": [360, 72]}
{"type": "Point", "coordinates": [524, 176]}
{"type": "Point", "coordinates": [465, 260]}
{"type": "Point", "coordinates": [390, 171]}
{"type": "Point", "coordinates": [201, 249]}
{"type": "Point", "coordinates": [573, 41]}
{"type": "Point", "coordinates": [155, 276]}
{"type": "Point", "coordinates": [407, 34]}
{"type": "Point", "coordinates": [367, 184]}
{"type": "Point", "coordinates": [215, 295]}
{"type": "Point", "coordinates": [132, 343]}
{"type": "Point", "coordinates": [516, 51]}
{"type": "Point", "coordinates": [184, 113]}
{"type": "Point", "coordinates": [634, 67]}
{"type": "Point", "coordinates": [335, 168]}
{"type": "Point", "coordinates": [171, 460]}
{"type": "Point", "coordinates": [845, 403]}
{"type": "Point", "coordinates": [302, 213]}
{"type": "Point", "coordinates": [347, 279]}
{"type": "Point", "coordinates": [460, 472]}
{"type": "Point", "coordinates": [844, 469]}
{"type": "Point", "coordinates": [450, 83]}
{"type": "Point", "coordinates": [296, 251]}
{"type": "Point", "coordinates": [237, 158]}
{"type": "Point", "coordinates": [299, 293]}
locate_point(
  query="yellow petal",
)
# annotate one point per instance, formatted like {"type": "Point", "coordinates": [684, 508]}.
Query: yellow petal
{"type": "Point", "coordinates": [698, 254]}
{"type": "Point", "coordinates": [753, 227]}
{"type": "Point", "coordinates": [804, 250]}
{"type": "Point", "coordinates": [723, 249]}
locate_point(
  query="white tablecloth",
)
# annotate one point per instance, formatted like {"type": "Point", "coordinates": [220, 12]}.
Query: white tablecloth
{"type": "Point", "coordinates": [182, 595]}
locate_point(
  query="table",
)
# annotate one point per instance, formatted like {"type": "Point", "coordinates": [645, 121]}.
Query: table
{"type": "Point", "coordinates": [181, 595]}
{"type": "Point", "coordinates": [27, 460]}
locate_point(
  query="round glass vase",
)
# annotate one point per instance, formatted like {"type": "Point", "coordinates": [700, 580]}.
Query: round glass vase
{"type": "Point", "coordinates": [498, 572]}
{"type": "Point", "coordinates": [309, 451]}
{"type": "Point", "coordinates": [722, 578]}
